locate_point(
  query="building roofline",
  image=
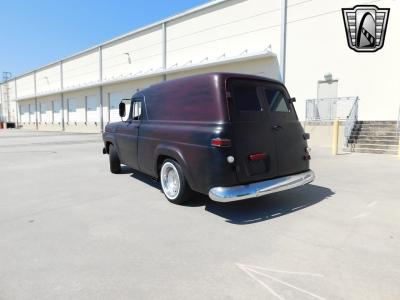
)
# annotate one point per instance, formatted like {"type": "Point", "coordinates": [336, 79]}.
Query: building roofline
{"type": "Point", "coordinates": [249, 57]}
{"type": "Point", "coordinates": [131, 33]}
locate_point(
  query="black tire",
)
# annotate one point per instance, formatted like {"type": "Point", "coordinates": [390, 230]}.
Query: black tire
{"type": "Point", "coordinates": [185, 193]}
{"type": "Point", "coordinates": [115, 164]}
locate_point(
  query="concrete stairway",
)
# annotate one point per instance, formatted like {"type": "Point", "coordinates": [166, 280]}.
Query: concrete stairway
{"type": "Point", "coordinates": [374, 137]}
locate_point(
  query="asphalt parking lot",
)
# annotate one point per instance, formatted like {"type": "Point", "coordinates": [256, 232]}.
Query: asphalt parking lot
{"type": "Point", "coordinates": [69, 229]}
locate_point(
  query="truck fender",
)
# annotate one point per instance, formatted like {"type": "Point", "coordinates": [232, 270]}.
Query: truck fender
{"type": "Point", "coordinates": [109, 139]}
{"type": "Point", "coordinates": [176, 154]}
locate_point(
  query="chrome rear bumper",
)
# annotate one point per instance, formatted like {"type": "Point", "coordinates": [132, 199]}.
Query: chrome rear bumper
{"type": "Point", "coordinates": [258, 189]}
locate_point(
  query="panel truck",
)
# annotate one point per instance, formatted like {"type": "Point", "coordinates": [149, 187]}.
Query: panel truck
{"type": "Point", "coordinates": [229, 136]}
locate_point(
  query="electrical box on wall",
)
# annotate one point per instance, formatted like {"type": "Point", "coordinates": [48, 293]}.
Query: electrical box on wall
{"type": "Point", "coordinates": [327, 88]}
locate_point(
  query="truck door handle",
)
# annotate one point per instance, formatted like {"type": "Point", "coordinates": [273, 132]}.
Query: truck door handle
{"type": "Point", "coordinates": [276, 127]}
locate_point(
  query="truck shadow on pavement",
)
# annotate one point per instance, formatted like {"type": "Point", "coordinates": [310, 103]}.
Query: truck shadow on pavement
{"type": "Point", "coordinates": [270, 206]}
{"type": "Point", "coordinates": [252, 210]}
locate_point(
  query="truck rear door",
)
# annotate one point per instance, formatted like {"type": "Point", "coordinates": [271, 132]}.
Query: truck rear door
{"type": "Point", "coordinates": [253, 139]}
{"type": "Point", "coordinates": [287, 130]}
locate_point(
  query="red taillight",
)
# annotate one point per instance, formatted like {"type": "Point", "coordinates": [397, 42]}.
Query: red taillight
{"type": "Point", "coordinates": [221, 142]}
{"type": "Point", "coordinates": [257, 156]}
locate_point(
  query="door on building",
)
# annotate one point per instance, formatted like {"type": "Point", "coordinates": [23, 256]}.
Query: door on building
{"type": "Point", "coordinates": [57, 113]}
{"type": "Point", "coordinates": [92, 109]}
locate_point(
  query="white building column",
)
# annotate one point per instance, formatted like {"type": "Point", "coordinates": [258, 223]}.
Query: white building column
{"type": "Point", "coordinates": [164, 48]}
{"type": "Point", "coordinates": [35, 93]}
{"type": "Point", "coordinates": [101, 88]}
{"type": "Point", "coordinates": [62, 95]}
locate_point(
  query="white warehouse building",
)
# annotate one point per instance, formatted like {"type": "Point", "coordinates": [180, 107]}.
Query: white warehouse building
{"type": "Point", "coordinates": [81, 93]}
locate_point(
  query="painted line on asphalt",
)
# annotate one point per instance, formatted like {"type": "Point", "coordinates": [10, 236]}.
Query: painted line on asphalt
{"type": "Point", "coordinates": [366, 213]}
{"type": "Point", "coordinates": [362, 215]}
{"type": "Point", "coordinates": [251, 270]}
{"type": "Point", "coordinates": [266, 286]}
{"type": "Point", "coordinates": [281, 271]}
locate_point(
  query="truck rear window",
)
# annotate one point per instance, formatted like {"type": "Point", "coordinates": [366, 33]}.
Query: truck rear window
{"type": "Point", "coordinates": [246, 97]}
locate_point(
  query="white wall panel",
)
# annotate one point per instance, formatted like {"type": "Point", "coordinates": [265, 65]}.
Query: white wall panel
{"type": "Point", "coordinates": [48, 79]}
{"type": "Point", "coordinates": [114, 99]}
{"type": "Point", "coordinates": [138, 54]}
{"type": "Point", "coordinates": [24, 113]}
{"type": "Point", "coordinates": [72, 110]}
{"type": "Point", "coordinates": [75, 105]}
{"type": "Point", "coordinates": [25, 86]}
{"type": "Point", "coordinates": [11, 90]}
{"type": "Point", "coordinates": [46, 111]}
{"type": "Point", "coordinates": [93, 109]}
{"type": "Point", "coordinates": [267, 67]}
{"type": "Point", "coordinates": [26, 109]}
{"type": "Point", "coordinates": [32, 112]}
{"type": "Point", "coordinates": [227, 30]}
{"type": "Point", "coordinates": [3, 108]}
{"type": "Point", "coordinates": [57, 113]}
{"type": "Point", "coordinates": [82, 70]}
{"type": "Point", "coordinates": [2, 88]}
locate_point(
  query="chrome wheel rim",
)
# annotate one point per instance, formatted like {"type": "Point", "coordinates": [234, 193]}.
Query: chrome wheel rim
{"type": "Point", "coordinates": [170, 180]}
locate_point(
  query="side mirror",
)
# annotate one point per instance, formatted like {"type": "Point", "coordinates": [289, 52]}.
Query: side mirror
{"type": "Point", "coordinates": [292, 100]}
{"type": "Point", "coordinates": [122, 109]}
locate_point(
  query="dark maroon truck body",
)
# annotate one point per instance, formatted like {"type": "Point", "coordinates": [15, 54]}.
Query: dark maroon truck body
{"type": "Point", "coordinates": [180, 118]}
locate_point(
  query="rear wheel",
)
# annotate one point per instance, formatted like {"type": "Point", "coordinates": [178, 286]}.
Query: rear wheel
{"type": "Point", "coordinates": [115, 164]}
{"type": "Point", "coordinates": [173, 182]}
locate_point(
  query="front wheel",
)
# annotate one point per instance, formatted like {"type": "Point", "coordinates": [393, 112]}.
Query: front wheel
{"type": "Point", "coordinates": [173, 182]}
{"type": "Point", "coordinates": [115, 164]}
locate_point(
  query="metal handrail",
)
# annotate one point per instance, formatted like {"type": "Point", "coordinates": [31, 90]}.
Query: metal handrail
{"type": "Point", "coordinates": [329, 109]}
{"type": "Point", "coordinates": [350, 122]}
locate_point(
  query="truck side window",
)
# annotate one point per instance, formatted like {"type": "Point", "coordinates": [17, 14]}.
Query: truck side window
{"type": "Point", "coordinates": [136, 109]}
{"type": "Point", "coordinates": [276, 100]}
{"type": "Point", "coordinates": [246, 97]}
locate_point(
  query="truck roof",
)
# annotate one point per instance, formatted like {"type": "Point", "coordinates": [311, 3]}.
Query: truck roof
{"type": "Point", "coordinates": [220, 76]}
{"type": "Point", "coordinates": [199, 98]}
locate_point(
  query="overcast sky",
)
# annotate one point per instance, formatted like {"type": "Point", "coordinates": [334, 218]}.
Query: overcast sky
{"type": "Point", "coordinates": [37, 32]}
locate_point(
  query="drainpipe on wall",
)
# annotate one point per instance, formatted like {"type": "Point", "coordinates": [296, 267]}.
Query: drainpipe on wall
{"type": "Point", "coordinates": [164, 49]}
{"type": "Point", "coordinates": [36, 115]}
{"type": "Point", "coordinates": [283, 39]}
{"type": "Point", "coordinates": [35, 92]}
{"type": "Point", "coordinates": [101, 88]}
{"type": "Point", "coordinates": [62, 95]}
{"type": "Point", "coordinates": [17, 112]}
{"type": "Point", "coordinates": [16, 103]}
